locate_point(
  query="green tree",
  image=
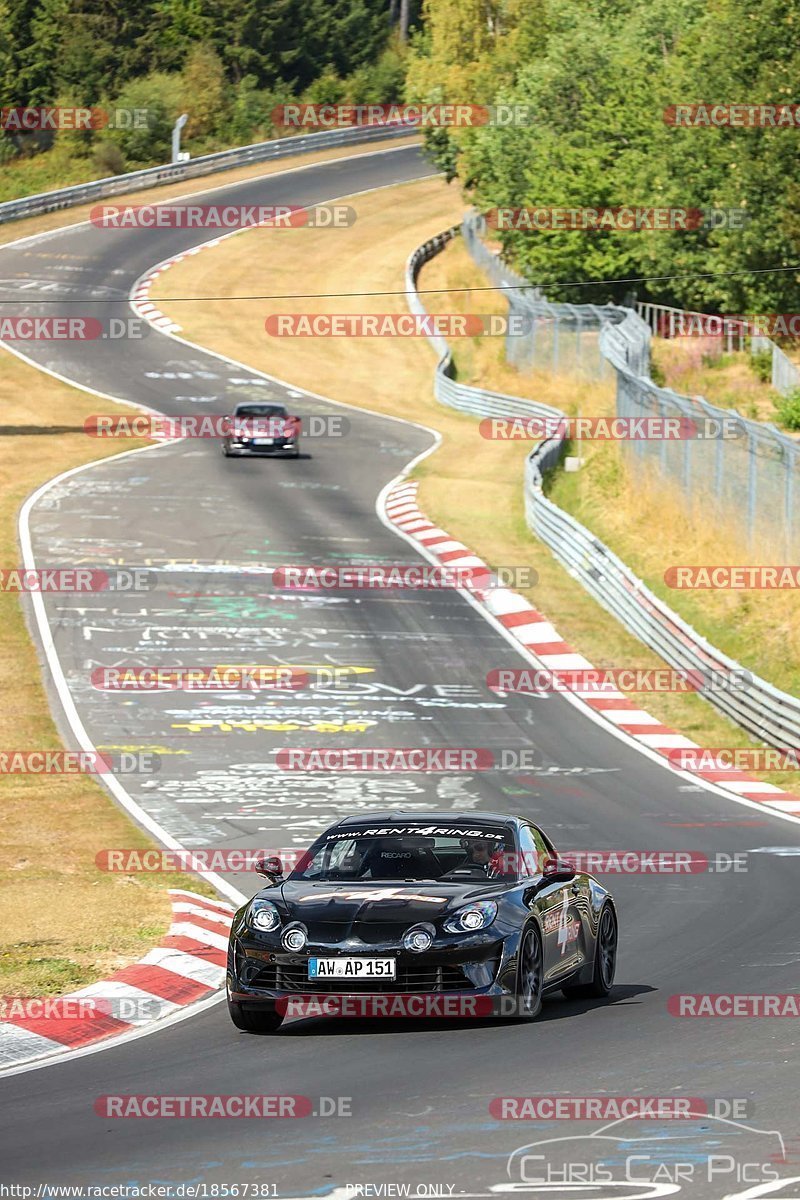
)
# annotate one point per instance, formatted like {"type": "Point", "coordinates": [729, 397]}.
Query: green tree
{"type": "Point", "coordinates": [204, 92]}
{"type": "Point", "coordinates": [177, 26]}
{"type": "Point", "coordinates": [158, 95]}
{"type": "Point", "coordinates": [7, 64]}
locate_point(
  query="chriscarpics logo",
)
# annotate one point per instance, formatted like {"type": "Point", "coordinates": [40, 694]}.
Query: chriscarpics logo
{"type": "Point", "coordinates": [639, 1157]}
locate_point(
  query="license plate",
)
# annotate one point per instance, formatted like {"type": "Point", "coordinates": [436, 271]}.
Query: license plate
{"type": "Point", "coordinates": [352, 968]}
{"type": "Point", "coordinates": [263, 441]}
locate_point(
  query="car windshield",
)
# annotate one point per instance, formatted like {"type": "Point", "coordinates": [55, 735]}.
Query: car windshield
{"type": "Point", "coordinates": [260, 410]}
{"type": "Point", "coordinates": [412, 853]}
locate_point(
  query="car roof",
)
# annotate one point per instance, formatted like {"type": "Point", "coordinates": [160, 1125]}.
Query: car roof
{"type": "Point", "coordinates": [433, 816]}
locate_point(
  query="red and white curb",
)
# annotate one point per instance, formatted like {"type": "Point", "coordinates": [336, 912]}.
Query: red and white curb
{"type": "Point", "coordinates": [188, 966]}
{"type": "Point", "coordinates": [540, 637]}
{"type": "Point", "coordinates": [140, 300]}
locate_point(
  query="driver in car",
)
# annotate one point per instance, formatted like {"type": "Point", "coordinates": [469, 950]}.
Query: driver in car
{"type": "Point", "coordinates": [482, 853]}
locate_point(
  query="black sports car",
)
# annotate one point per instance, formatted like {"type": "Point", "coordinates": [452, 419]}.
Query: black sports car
{"type": "Point", "coordinates": [263, 428]}
{"type": "Point", "coordinates": [471, 907]}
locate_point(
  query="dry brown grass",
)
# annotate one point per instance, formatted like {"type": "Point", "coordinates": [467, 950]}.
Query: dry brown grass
{"type": "Point", "coordinates": [65, 922]}
{"type": "Point", "coordinates": [645, 518]}
{"type": "Point", "coordinates": [470, 486]}
{"type": "Point", "coordinates": [695, 367]}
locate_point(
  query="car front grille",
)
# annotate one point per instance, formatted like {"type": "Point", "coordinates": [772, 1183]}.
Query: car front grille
{"type": "Point", "coordinates": [294, 978]}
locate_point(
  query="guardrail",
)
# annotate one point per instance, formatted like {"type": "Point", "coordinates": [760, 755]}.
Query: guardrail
{"type": "Point", "coordinates": [207, 164]}
{"type": "Point", "coordinates": [766, 712]}
{"type": "Point", "coordinates": [478, 401]}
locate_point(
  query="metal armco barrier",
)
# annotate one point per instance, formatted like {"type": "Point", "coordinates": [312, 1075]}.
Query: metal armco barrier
{"type": "Point", "coordinates": [764, 711]}
{"type": "Point", "coordinates": [478, 401]}
{"type": "Point", "coordinates": [242, 156]}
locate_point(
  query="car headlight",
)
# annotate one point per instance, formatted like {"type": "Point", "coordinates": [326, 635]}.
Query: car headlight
{"type": "Point", "coordinates": [418, 939]}
{"type": "Point", "coordinates": [294, 938]}
{"type": "Point", "coordinates": [473, 917]}
{"type": "Point", "coordinates": [264, 916]}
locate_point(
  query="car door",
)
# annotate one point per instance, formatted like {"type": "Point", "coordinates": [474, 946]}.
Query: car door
{"type": "Point", "coordinates": [558, 904]}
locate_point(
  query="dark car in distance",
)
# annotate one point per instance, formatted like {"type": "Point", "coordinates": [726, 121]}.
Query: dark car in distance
{"type": "Point", "coordinates": [398, 903]}
{"type": "Point", "coordinates": [261, 429]}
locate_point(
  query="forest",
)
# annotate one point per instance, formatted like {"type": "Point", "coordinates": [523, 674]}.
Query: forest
{"type": "Point", "coordinates": [600, 85]}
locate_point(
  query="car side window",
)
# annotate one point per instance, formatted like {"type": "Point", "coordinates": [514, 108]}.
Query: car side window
{"type": "Point", "coordinates": [547, 847]}
{"type": "Point", "coordinates": [531, 852]}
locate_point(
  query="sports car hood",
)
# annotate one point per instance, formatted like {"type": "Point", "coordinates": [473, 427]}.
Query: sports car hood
{"type": "Point", "coordinates": [368, 909]}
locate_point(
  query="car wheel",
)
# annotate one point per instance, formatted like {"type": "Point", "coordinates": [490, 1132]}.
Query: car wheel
{"type": "Point", "coordinates": [254, 1020]}
{"type": "Point", "coordinates": [530, 975]}
{"type": "Point", "coordinates": [226, 451]}
{"type": "Point", "coordinates": [605, 960]}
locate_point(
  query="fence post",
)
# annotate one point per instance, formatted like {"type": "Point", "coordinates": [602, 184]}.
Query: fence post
{"type": "Point", "coordinates": [663, 450]}
{"type": "Point", "coordinates": [719, 467]}
{"type": "Point", "coordinates": [790, 463]}
{"type": "Point", "coordinates": [751, 487]}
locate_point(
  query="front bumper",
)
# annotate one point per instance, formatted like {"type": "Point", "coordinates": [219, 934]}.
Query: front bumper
{"type": "Point", "coordinates": [481, 966]}
{"type": "Point", "coordinates": [279, 447]}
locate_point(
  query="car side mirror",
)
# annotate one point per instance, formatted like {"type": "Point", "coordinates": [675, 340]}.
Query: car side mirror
{"type": "Point", "coordinates": [556, 870]}
{"type": "Point", "coordinates": [269, 868]}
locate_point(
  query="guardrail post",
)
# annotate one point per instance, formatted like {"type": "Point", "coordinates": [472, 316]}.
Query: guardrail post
{"type": "Point", "coordinates": [176, 136]}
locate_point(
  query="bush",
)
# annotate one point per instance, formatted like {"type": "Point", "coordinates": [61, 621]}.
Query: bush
{"type": "Point", "coordinates": [109, 159]}
{"type": "Point", "coordinates": [327, 89]}
{"type": "Point", "coordinates": [717, 359]}
{"type": "Point", "coordinates": [159, 95]}
{"type": "Point", "coordinates": [8, 150]}
{"type": "Point", "coordinates": [657, 374]}
{"type": "Point", "coordinates": [381, 82]}
{"type": "Point", "coordinates": [251, 112]}
{"type": "Point", "coordinates": [789, 409]}
{"type": "Point", "coordinates": [761, 362]}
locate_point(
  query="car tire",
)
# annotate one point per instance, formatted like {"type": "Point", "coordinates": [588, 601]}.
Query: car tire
{"type": "Point", "coordinates": [605, 960]}
{"type": "Point", "coordinates": [226, 452]}
{"type": "Point", "coordinates": [530, 975]}
{"type": "Point", "coordinates": [254, 1020]}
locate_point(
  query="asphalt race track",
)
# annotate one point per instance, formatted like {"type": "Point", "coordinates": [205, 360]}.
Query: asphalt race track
{"type": "Point", "coordinates": [208, 527]}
